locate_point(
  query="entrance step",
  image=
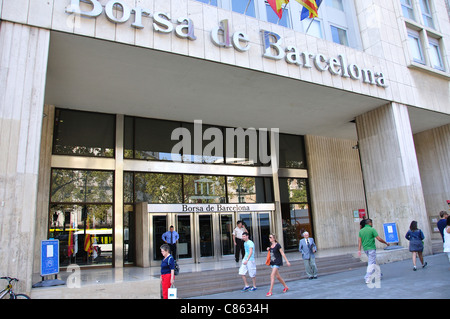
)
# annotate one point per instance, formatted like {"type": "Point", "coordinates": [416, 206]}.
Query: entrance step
{"type": "Point", "coordinates": [223, 280]}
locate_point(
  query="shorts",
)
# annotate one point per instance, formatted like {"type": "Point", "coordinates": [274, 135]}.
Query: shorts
{"type": "Point", "coordinates": [274, 266]}
{"type": "Point", "coordinates": [250, 267]}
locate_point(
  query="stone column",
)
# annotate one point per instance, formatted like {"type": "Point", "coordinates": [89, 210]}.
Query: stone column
{"type": "Point", "coordinates": [391, 173]}
{"type": "Point", "coordinates": [142, 235]}
{"type": "Point", "coordinates": [23, 66]}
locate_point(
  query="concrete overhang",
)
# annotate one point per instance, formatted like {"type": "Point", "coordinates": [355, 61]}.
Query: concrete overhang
{"type": "Point", "coordinates": [96, 75]}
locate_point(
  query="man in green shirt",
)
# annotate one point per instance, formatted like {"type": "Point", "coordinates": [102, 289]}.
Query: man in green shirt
{"type": "Point", "coordinates": [366, 239]}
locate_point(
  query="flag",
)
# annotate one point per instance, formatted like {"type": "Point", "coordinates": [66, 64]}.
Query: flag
{"type": "Point", "coordinates": [70, 249]}
{"type": "Point", "coordinates": [310, 8]}
{"type": "Point", "coordinates": [277, 6]}
{"type": "Point", "coordinates": [88, 241]}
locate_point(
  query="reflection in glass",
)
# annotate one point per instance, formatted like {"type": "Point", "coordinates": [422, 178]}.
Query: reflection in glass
{"type": "Point", "coordinates": [157, 188]}
{"type": "Point", "coordinates": [80, 133]}
{"type": "Point", "coordinates": [292, 151]}
{"type": "Point", "coordinates": [81, 186]}
{"type": "Point", "coordinates": [206, 236]}
{"type": "Point", "coordinates": [129, 234]}
{"type": "Point", "coordinates": [242, 189]}
{"type": "Point", "coordinates": [84, 232]}
{"type": "Point", "coordinates": [159, 224]}
{"type": "Point", "coordinates": [184, 247]}
{"type": "Point", "coordinates": [226, 228]}
{"type": "Point", "coordinates": [264, 230]}
{"type": "Point", "coordinates": [204, 189]}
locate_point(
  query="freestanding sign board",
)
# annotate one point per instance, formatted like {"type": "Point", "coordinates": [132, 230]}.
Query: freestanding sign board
{"type": "Point", "coordinates": [49, 257]}
{"type": "Point", "coordinates": [390, 233]}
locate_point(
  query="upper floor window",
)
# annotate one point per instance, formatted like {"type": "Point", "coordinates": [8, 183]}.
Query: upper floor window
{"type": "Point", "coordinates": [407, 9]}
{"type": "Point", "coordinates": [435, 54]}
{"type": "Point", "coordinates": [210, 2]}
{"type": "Point", "coordinates": [244, 7]}
{"type": "Point", "coordinates": [415, 46]}
{"type": "Point", "coordinates": [273, 17]}
{"type": "Point", "coordinates": [426, 13]}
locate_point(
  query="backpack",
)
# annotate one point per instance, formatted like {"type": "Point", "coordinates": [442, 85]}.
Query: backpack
{"type": "Point", "coordinates": [177, 268]}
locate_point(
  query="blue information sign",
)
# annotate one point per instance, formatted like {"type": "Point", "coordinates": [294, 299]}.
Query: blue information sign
{"type": "Point", "coordinates": [49, 257]}
{"type": "Point", "coordinates": [390, 233]}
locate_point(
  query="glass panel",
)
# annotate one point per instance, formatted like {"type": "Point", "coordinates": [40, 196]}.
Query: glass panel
{"type": "Point", "coordinates": [206, 236]}
{"type": "Point", "coordinates": [264, 231]}
{"type": "Point", "coordinates": [247, 222]}
{"type": "Point", "coordinates": [129, 234]}
{"type": "Point", "coordinates": [128, 137]}
{"type": "Point", "coordinates": [407, 9]}
{"type": "Point", "coordinates": [337, 4]}
{"type": "Point", "coordinates": [84, 233]}
{"type": "Point", "coordinates": [153, 139]}
{"type": "Point", "coordinates": [244, 6]}
{"type": "Point", "coordinates": [84, 133]}
{"type": "Point", "coordinates": [157, 188]}
{"type": "Point", "coordinates": [184, 247]}
{"type": "Point", "coordinates": [291, 151]}
{"type": "Point", "coordinates": [416, 48]}
{"type": "Point", "coordinates": [226, 229]}
{"type": "Point", "coordinates": [242, 146]}
{"type": "Point", "coordinates": [426, 13]}
{"type": "Point", "coordinates": [249, 189]}
{"type": "Point", "coordinates": [273, 17]}
{"type": "Point", "coordinates": [312, 27]}
{"type": "Point", "coordinates": [81, 186]}
{"type": "Point", "coordinates": [159, 224]}
{"type": "Point", "coordinates": [435, 56]}
{"type": "Point", "coordinates": [339, 35]}
{"type": "Point", "coordinates": [212, 145]}
{"type": "Point", "coordinates": [210, 2]}
{"type": "Point", "coordinates": [204, 189]}
{"type": "Point", "coordinates": [128, 182]}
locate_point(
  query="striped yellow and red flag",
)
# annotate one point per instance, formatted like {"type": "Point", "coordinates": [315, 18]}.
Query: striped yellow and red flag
{"type": "Point", "coordinates": [311, 6]}
{"type": "Point", "coordinates": [277, 6]}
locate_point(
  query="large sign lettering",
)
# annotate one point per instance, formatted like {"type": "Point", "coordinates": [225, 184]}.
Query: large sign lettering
{"type": "Point", "coordinates": [117, 11]}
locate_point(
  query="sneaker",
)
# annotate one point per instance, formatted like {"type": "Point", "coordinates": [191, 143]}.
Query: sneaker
{"type": "Point", "coordinates": [414, 268]}
{"type": "Point", "coordinates": [253, 289]}
{"type": "Point", "coordinates": [245, 288]}
{"type": "Point", "coordinates": [424, 265]}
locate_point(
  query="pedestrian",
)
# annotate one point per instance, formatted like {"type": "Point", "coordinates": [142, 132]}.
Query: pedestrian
{"type": "Point", "coordinates": [366, 240]}
{"type": "Point", "coordinates": [415, 237]}
{"type": "Point", "coordinates": [276, 261]}
{"type": "Point", "coordinates": [248, 263]}
{"type": "Point", "coordinates": [442, 223]}
{"type": "Point", "coordinates": [447, 239]}
{"type": "Point", "coordinates": [237, 239]}
{"type": "Point", "coordinates": [171, 237]}
{"type": "Point", "coordinates": [167, 270]}
{"type": "Point", "coordinates": [308, 249]}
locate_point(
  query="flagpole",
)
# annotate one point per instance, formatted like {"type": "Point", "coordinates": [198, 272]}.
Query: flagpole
{"type": "Point", "coordinates": [309, 25]}
{"type": "Point", "coordinates": [248, 4]}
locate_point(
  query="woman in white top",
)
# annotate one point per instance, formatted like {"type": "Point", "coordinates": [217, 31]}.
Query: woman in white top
{"type": "Point", "coordinates": [447, 239]}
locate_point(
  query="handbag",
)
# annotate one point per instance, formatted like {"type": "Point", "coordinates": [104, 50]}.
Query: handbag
{"type": "Point", "coordinates": [268, 258]}
{"type": "Point", "coordinates": [172, 292]}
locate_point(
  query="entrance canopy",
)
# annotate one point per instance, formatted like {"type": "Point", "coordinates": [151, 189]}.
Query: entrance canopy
{"type": "Point", "coordinates": [96, 75]}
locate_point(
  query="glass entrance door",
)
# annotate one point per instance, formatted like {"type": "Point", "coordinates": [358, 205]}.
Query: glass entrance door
{"type": "Point", "coordinates": [259, 226]}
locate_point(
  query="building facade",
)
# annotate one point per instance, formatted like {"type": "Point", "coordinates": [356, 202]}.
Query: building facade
{"type": "Point", "coordinates": [121, 118]}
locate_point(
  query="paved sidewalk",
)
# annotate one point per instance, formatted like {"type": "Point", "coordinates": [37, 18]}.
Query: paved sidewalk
{"type": "Point", "coordinates": [399, 281]}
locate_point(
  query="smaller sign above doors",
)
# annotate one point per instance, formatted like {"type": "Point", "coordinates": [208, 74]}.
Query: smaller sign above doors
{"type": "Point", "coordinates": [209, 208]}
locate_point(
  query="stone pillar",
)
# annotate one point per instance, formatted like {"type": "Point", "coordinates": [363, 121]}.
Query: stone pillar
{"type": "Point", "coordinates": [391, 173]}
{"type": "Point", "coordinates": [23, 67]}
{"type": "Point", "coordinates": [142, 235]}
{"type": "Point", "coordinates": [433, 155]}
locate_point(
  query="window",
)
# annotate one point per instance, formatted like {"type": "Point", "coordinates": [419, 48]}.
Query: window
{"type": "Point", "coordinates": [81, 215]}
{"type": "Point", "coordinates": [80, 133]}
{"type": "Point", "coordinates": [313, 27]}
{"type": "Point", "coordinates": [210, 2]}
{"type": "Point", "coordinates": [435, 54]}
{"type": "Point", "coordinates": [273, 18]}
{"type": "Point", "coordinates": [339, 35]}
{"type": "Point", "coordinates": [426, 13]}
{"type": "Point", "coordinates": [415, 47]}
{"type": "Point", "coordinates": [292, 151]}
{"type": "Point", "coordinates": [407, 9]}
{"type": "Point", "coordinates": [244, 7]}
{"type": "Point", "coordinates": [337, 4]}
